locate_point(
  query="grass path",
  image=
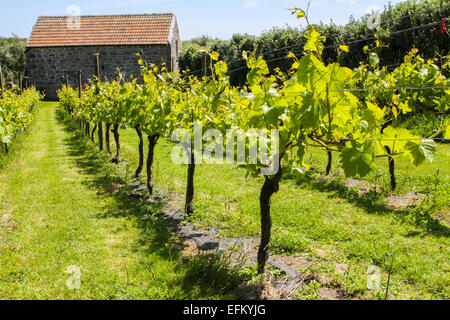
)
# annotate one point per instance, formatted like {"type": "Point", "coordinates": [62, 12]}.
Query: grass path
{"type": "Point", "coordinates": [61, 208]}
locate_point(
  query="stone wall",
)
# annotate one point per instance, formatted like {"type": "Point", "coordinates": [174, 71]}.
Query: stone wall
{"type": "Point", "coordinates": [46, 66]}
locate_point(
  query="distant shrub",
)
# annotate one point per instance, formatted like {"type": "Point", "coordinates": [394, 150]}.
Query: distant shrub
{"type": "Point", "coordinates": [423, 124]}
{"type": "Point", "coordinates": [275, 44]}
{"type": "Point", "coordinates": [12, 58]}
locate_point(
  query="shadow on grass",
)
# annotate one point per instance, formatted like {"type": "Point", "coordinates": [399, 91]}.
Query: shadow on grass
{"type": "Point", "coordinates": [374, 203]}
{"type": "Point", "coordinates": [197, 278]}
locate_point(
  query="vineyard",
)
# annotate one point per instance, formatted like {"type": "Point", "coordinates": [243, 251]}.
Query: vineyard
{"type": "Point", "coordinates": [327, 195]}
{"type": "Point", "coordinates": [17, 111]}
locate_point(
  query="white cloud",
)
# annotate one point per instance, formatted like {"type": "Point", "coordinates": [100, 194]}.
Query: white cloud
{"type": "Point", "coordinates": [249, 4]}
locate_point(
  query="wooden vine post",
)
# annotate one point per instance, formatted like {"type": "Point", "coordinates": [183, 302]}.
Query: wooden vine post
{"type": "Point", "coordinates": [20, 82]}
{"type": "Point", "coordinates": [2, 88]}
{"type": "Point", "coordinates": [100, 124]}
{"type": "Point", "coordinates": [1, 96]}
{"type": "Point", "coordinates": [79, 84]}
{"type": "Point", "coordinates": [204, 58]}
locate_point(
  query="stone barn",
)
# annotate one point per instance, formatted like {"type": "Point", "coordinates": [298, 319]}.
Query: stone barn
{"type": "Point", "coordinates": [60, 46]}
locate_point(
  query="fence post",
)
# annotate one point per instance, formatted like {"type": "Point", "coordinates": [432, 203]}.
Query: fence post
{"type": "Point", "coordinates": [97, 66]}
{"type": "Point", "coordinates": [100, 124]}
{"type": "Point", "coordinates": [204, 64]}
{"type": "Point", "coordinates": [79, 84]}
{"type": "Point", "coordinates": [20, 82]}
{"type": "Point", "coordinates": [2, 88]}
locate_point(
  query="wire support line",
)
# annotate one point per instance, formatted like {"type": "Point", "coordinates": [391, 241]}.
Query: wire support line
{"type": "Point", "coordinates": [325, 47]}
{"type": "Point", "coordinates": [250, 94]}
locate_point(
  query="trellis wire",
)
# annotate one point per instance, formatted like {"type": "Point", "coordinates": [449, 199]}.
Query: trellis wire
{"type": "Point", "coordinates": [329, 46]}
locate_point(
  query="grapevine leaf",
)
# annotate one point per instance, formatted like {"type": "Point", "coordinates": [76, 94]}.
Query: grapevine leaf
{"type": "Point", "coordinates": [421, 151]}
{"type": "Point", "coordinates": [312, 73]}
{"type": "Point", "coordinates": [396, 139]}
{"type": "Point", "coordinates": [300, 14]}
{"type": "Point", "coordinates": [357, 159]}
{"type": "Point", "coordinates": [373, 114]}
{"type": "Point", "coordinates": [315, 42]}
{"type": "Point", "coordinates": [344, 48]}
{"type": "Point", "coordinates": [310, 112]}
{"type": "Point", "coordinates": [374, 60]}
{"type": "Point", "coordinates": [221, 68]}
{"type": "Point", "coordinates": [214, 56]}
{"type": "Point", "coordinates": [447, 132]}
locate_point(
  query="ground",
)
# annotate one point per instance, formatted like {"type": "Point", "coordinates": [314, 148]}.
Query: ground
{"type": "Point", "coordinates": [63, 205]}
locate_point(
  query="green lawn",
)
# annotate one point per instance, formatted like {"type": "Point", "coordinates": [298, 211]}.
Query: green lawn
{"type": "Point", "coordinates": [62, 196]}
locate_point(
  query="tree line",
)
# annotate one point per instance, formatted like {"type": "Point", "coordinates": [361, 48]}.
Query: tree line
{"type": "Point", "coordinates": [273, 45]}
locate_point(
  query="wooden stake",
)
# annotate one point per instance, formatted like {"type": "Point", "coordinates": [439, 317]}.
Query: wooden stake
{"type": "Point", "coordinates": [100, 124]}
{"type": "Point", "coordinates": [204, 64]}
{"type": "Point", "coordinates": [2, 88]}
{"type": "Point", "coordinates": [79, 84]}
{"type": "Point", "coordinates": [97, 65]}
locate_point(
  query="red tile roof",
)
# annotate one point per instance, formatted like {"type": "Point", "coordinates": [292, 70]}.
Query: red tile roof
{"type": "Point", "coordinates": [102, 30]}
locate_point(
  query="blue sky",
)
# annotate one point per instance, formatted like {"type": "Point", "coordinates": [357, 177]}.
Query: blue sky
{"type": "Point", "coordinates": [217, 18]}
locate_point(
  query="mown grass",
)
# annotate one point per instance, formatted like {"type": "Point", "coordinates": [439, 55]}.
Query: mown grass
{"type": "Point", "coordinates": [62, 206]}
{"type": "Point", "coordinates": [312, 218]}
{"type": "Point", "coordinates": [430, 177]}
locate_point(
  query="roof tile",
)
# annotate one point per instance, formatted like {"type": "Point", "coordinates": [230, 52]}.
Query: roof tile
{"type": "Point", "coordinates": [102, 30]}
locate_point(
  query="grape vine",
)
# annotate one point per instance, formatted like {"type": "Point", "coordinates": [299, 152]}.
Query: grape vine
{"type": "Point", "coordinates": [349, 112]}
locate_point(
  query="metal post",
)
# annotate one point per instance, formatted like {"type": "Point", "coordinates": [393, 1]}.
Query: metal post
{"type": "Point", "coordinates": [67, 80]}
